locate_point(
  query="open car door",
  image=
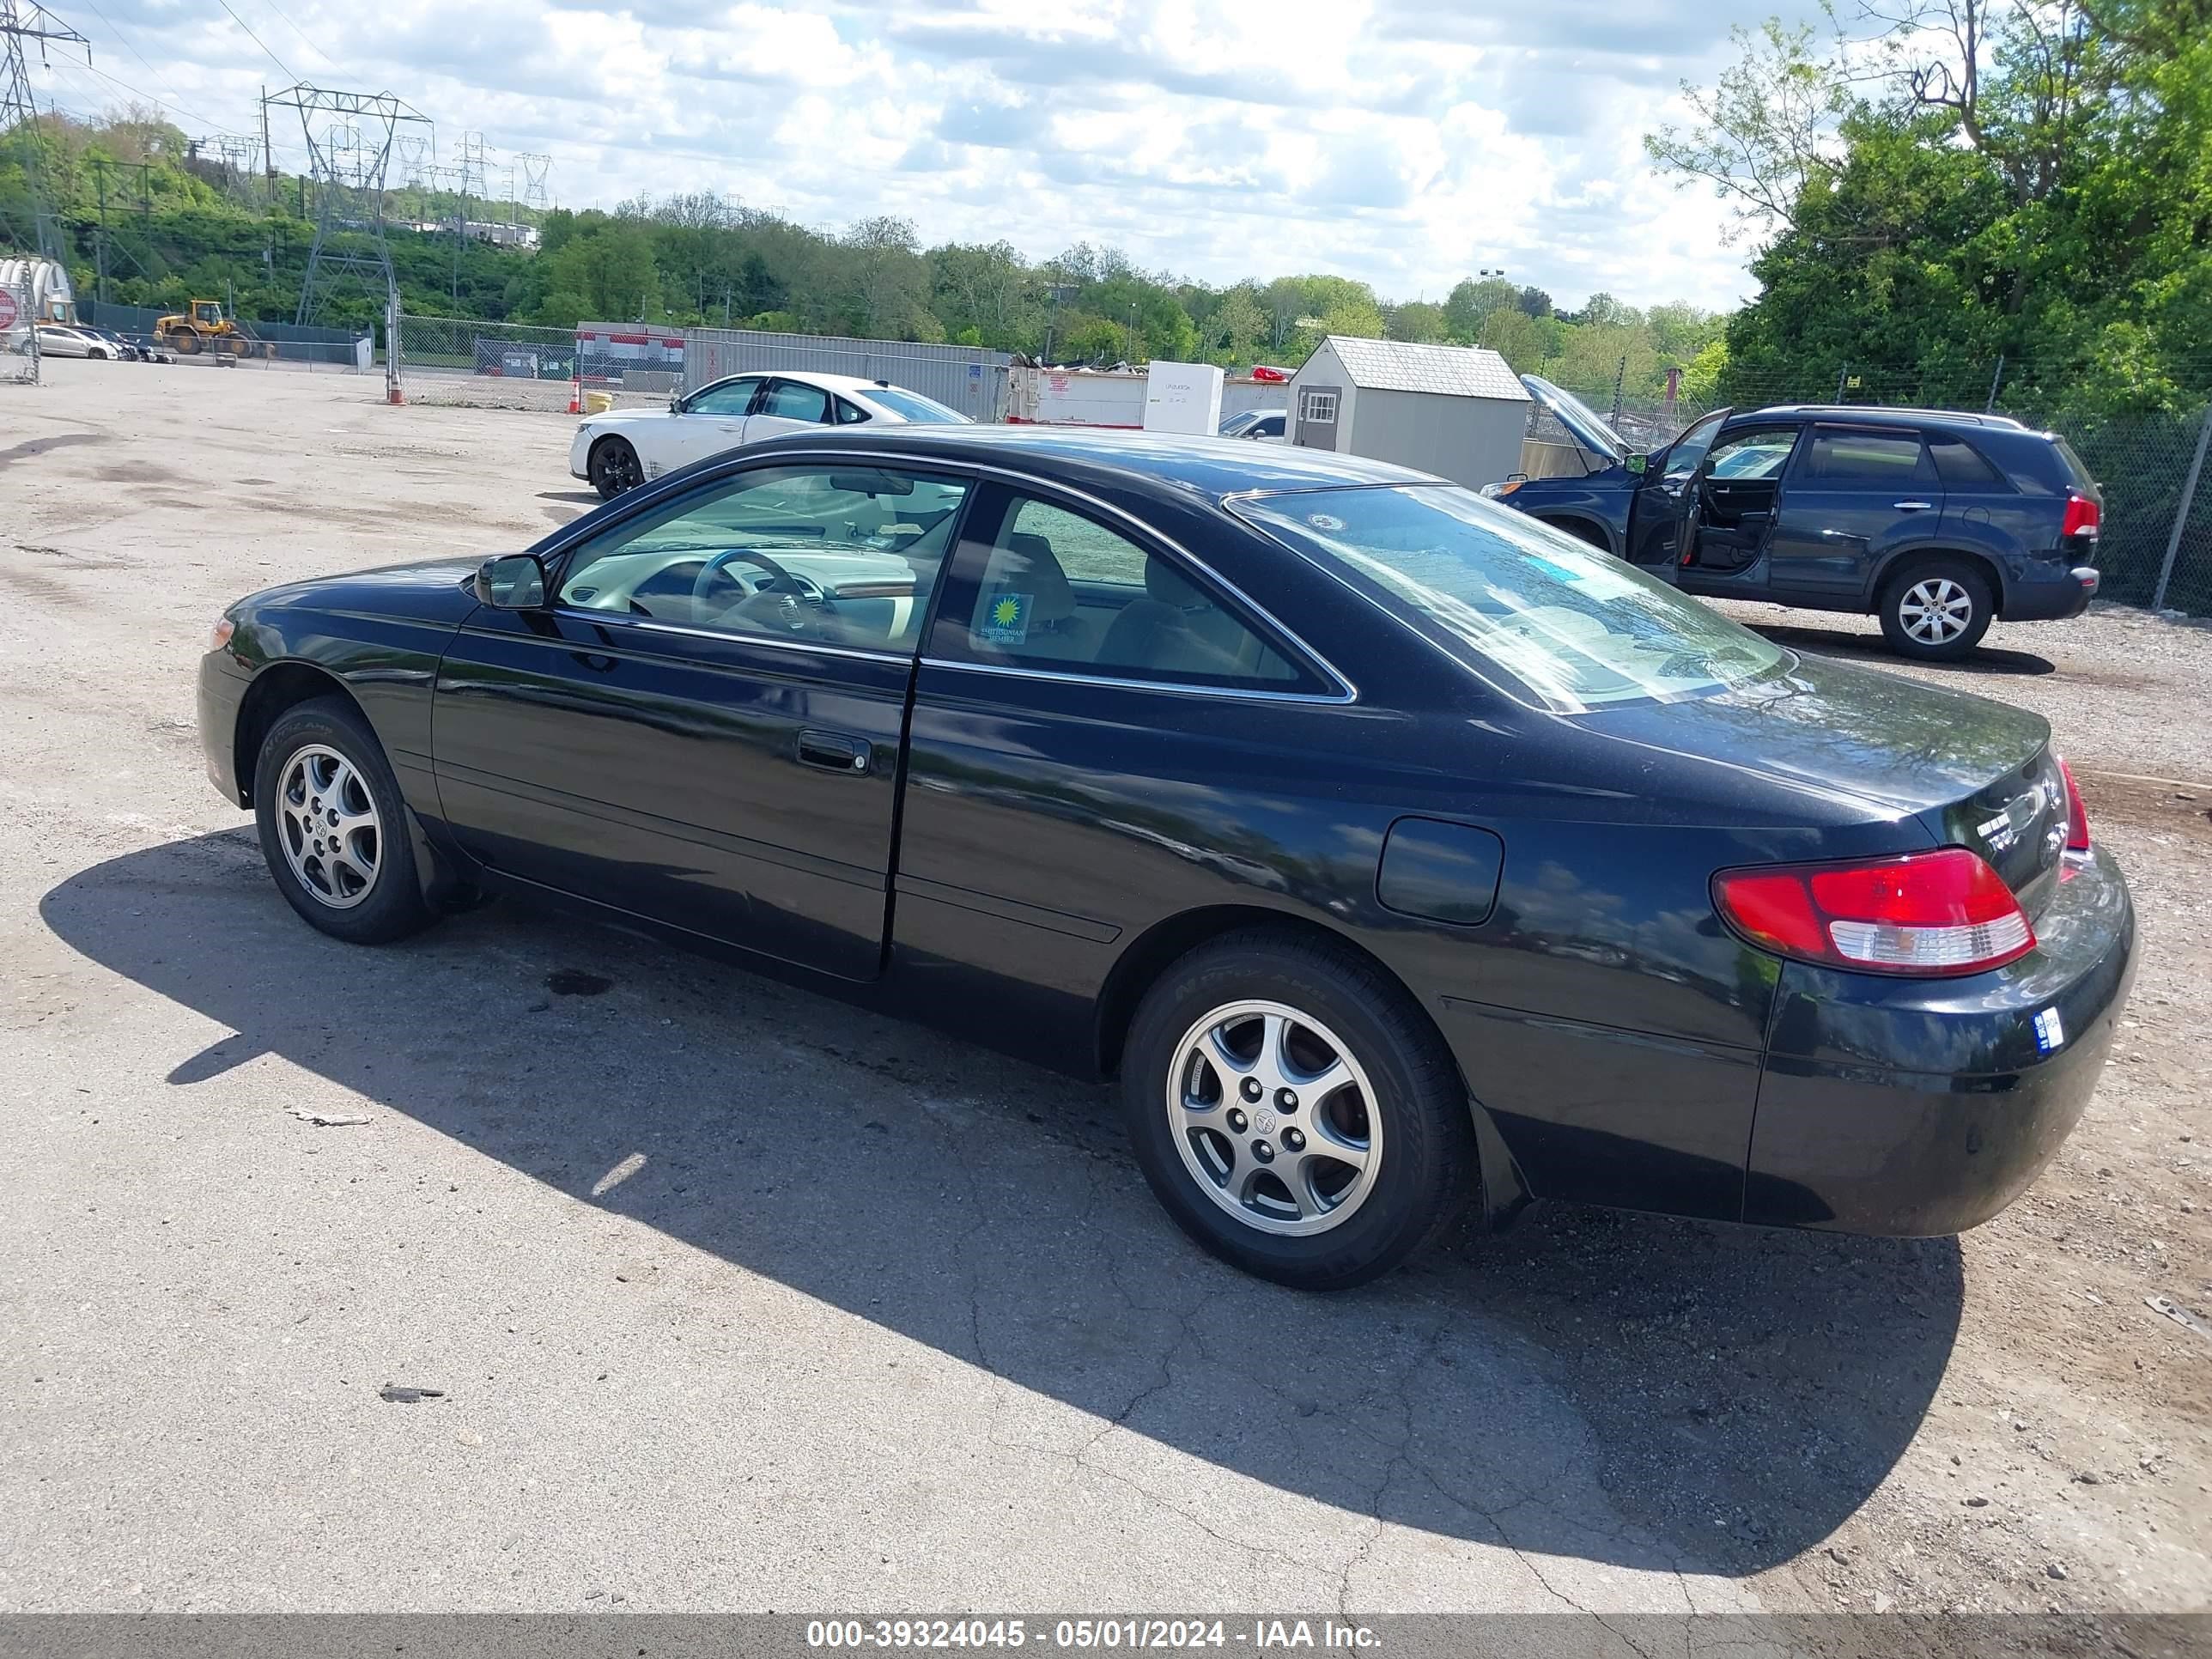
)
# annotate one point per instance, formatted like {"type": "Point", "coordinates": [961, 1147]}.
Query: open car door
{"type": "Point", "coordinates": [1663, 519]}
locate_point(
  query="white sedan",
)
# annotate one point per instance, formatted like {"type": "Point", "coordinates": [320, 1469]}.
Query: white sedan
{"type": "Point", "coordinates": [623, 448]}
{"type": "Point", "coordinates": [58, 340]}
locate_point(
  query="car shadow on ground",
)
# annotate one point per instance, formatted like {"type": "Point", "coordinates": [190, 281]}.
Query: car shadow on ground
{"type": "Point", "coordinates": [1631, 1390]}
{"type": "Point", "coordinates": [1871, 649]}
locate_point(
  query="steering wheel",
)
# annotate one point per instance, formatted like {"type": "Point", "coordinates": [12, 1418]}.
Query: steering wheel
{"type": "Point", "coordinates": [780, 580]}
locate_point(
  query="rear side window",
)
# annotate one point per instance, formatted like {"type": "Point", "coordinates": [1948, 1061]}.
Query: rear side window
{"type": "Point", "coordinates": [1958, 464]}
{"type": "Point", "coordinates": [1055, 590]}
{"type": "Point", "coordinates": [1877, 460]}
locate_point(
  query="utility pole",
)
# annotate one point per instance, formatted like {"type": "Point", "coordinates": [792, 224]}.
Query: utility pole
{"type": "Point", "coordinates": [21, 20]}
{"type": "Point", "coordinates": [268, 155]}
{"type": "Point", "coordinates": [99, 248]}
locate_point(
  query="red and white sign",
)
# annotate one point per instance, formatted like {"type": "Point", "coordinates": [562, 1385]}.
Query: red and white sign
{"type": "Point", "coordinates": [7, 310]}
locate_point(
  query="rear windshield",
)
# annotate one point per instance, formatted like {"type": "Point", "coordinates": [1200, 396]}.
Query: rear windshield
{"type": "Point", "coordinates": [923, 412]}
{"type": "Point", "coordinates": [1577, 628]}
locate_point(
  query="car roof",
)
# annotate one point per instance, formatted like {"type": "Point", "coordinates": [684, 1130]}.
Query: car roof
{"type": "Point", "coordinates": [1886, 415]}
{"type": "Point", "coordinates": [807, 377]}
{"type": "Point", "coordinates": [1212, 466]}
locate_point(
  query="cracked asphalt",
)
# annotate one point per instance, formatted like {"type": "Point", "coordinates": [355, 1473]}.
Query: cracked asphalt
{"type": "Point", "coordinates": [734, 1298]}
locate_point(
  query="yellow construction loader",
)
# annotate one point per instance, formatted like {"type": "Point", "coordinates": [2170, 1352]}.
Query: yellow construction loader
{"type": "Point", "coordinates": [206, 329]}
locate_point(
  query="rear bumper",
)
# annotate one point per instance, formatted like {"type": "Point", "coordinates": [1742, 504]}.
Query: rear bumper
{"type": "Point", "coordinates": [2063, 593]}
{"type": "Point", "coordinates": [1913, 1107]}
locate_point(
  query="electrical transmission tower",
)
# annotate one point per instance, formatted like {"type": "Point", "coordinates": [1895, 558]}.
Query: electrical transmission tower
{"type": "Point", "coordinates": [415, 152]}
{"type": "Point", "coordinates": [21, 20]}
{"type": "Point", "coordinates": [537, 170]}
{"type": "Point", "coordinates": [350, 161]}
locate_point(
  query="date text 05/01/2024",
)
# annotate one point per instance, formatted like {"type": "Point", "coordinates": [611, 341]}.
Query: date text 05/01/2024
{"type": "Point", "coordinates": [1131, 1634]}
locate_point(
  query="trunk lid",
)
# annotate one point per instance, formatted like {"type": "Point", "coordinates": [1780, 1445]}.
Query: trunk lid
{"type": "Point", "coordinates": [1975, 773]}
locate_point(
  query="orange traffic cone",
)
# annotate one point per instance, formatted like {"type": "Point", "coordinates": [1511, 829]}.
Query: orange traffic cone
{"type": "Point", "coordinates": [576, 396]}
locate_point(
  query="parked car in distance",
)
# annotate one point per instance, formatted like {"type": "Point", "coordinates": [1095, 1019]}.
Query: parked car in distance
{"type": "Point", "coordinates": [66, 340]}
{"type": "Point", "coordinates": [624, 448]}
{"type": "Point", "coordinates": [121, 345]}
{"type": "Point", "coordinates": [1394, 849]}
{"type": "Point", "coordinates": [1937, 522]}
{"type": "Point", "coordinates": [1265, 426]}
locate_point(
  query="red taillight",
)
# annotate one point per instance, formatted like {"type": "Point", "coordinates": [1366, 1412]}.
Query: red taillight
{"type": "Point", "coordinates": [2077, 815]}
{"type": "Point", "coordinates": [1940, 913]}
{"type": "Point", "coordinates": [2082, 516]}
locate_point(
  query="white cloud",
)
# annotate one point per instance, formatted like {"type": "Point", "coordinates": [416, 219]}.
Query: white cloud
{"type": "Point", "coordinates": [1402, 142]}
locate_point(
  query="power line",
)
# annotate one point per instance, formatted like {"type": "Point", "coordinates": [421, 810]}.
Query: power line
{"type": "Point", "coordinates": [257, 40]}
{"type": "Point", "coordinates": [123, 41]}
{"type": "Point", "coordinates": [297, 30]}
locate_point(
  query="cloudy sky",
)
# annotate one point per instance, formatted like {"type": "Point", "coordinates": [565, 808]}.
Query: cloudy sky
{"type": "Point", "coordinates": [1405, 142]}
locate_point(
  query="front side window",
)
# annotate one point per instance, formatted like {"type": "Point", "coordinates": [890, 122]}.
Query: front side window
{"type": "Point", "coordinates": [1870, 460]}
{"type": "Point", "coordinates": [1047, 588]}
{"type": "Point", "coordinates": [1690, 449]}
{"type": "Point", "coordinates": [730, 398]}
{"type": "Point", "coordinates": [792, 401]}
{"type": "Point", "coordinates": [1578, 628]}
{"type": "Point", "coordinates": [834, 555]}
{"type": "Point", "coordinates": [1745, 456]}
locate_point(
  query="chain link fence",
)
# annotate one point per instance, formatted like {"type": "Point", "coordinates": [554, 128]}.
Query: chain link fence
{"type": "Point", "coordinates": [2155, 548]}
{"type": "Point", "coordinates": [19, 335]}
{"type": "Point", "coordinates": [463, 363]}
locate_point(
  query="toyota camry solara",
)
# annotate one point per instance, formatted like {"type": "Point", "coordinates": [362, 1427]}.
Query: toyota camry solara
{"type": "Point", "coordinates": [1394, 850]}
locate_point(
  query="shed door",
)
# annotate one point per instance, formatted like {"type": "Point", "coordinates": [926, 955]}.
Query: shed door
{"type": "Point", "coordinates": [1317, 410]}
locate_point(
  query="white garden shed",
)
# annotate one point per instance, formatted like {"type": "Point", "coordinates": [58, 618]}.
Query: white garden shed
{"type": "Point", "coordinates": [1457, 411]}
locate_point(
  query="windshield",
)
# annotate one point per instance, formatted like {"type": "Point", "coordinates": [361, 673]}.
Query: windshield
{"type": "Point", "coordinates": [913, 406]}
{"type": "Point", "coordinates": [1578, 628]}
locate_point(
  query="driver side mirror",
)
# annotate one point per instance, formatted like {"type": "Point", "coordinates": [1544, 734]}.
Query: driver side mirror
{"type": "Point", "coordinates": [675, 403]}
{"type": "Point", "coordinates": [1637, 462]}
{"type": "Point", "coordinates": [513, 581]}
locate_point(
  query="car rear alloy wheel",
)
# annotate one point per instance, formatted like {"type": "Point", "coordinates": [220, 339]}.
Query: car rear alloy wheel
{"type": "Point", "coordinates": [329, 827]}
{"type": "Point", "coordinates": [1294, 1110]}
{"type": "Point", "coordinates": [1936, 611]}
{"type": "Point", "coordinates": [334, 828]}
{"type": "Point", "coordinates": [1275, 1118]}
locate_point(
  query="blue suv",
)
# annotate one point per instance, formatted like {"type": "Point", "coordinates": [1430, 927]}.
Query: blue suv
{"type": "Point", "coordinates": [1938, 523]}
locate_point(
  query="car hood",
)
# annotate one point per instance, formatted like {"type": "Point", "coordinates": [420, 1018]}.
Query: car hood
{"type": "Point", "coordinates": [615, 420]}
{"type": "Point", "coordinates": [1588, 429]}
{"type": "Point", "coordinates": [430, 590]}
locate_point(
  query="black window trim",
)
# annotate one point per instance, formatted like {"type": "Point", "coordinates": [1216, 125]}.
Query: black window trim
{"type": "Point", "coordinates": [1245, 610]}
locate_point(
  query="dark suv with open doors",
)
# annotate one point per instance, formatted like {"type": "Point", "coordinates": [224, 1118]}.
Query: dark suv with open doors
{"type": "Point", "coordinates": [1938, 523]}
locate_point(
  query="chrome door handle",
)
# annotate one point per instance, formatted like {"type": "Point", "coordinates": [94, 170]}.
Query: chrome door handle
{"type": "Point", "coordinates": [1912, 507]}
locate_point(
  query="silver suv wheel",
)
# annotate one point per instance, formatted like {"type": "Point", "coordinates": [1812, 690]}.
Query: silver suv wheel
{"type": "Point", "coordinates": [1936, 610]}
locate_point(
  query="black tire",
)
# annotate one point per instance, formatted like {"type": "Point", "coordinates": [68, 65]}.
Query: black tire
{"type": "Point", "coordinates": [1425, 1160]}
{"type": "Point", "coordinates": [614, 467]}
{"type": "Point", "coordinates": [386, 906]}
{"type": "Point", "coordinates": [1920, 609]}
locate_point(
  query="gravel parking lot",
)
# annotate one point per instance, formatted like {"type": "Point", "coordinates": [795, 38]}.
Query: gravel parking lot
{"type": "Point", "coordinates": [734, 1298]}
